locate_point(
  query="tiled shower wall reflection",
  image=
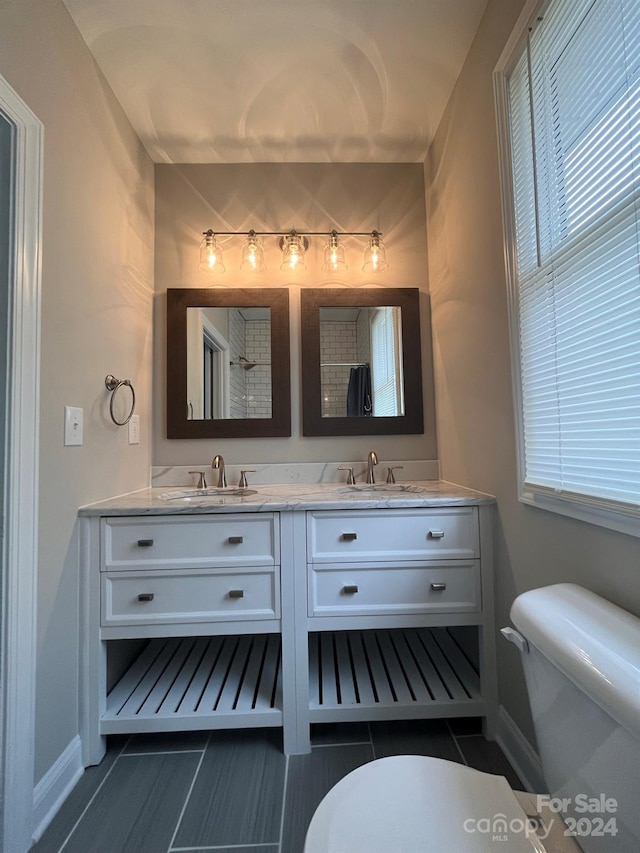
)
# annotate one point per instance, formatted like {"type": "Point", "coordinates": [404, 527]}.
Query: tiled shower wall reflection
{"type": "Point", "coordinates": [343, 345]}
{"type": "Point", "coordinates": [338, 351]}
{"type": "Point", "coordinates": [258, 379]}
{"type": "Point", "coordinates": [238, 393]}
{"type": "Point", "coordinates": [250, 389]}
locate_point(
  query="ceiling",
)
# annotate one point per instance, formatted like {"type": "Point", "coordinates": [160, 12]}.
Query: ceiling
{"type": "Point", "coordinates": [247, 81]}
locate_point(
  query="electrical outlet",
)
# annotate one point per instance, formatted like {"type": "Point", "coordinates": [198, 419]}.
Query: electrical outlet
{"type": "Point", "coordinates": [73, 426]}
{"type": "Point", "coordinates": [134, 429]}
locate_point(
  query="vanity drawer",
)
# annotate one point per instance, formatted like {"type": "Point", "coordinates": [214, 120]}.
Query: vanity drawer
{"type": "Point", "coordinates": [205, 541]}
{"type": "Point", "coordinates": [143, 598]}
{"type": "Point", "coordinates": [363, 590]}
{"type": "Point", "coordinates": [386, 534]}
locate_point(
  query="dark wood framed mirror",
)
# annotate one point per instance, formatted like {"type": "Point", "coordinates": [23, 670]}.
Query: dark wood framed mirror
{"type": "Point", "coordinates": [361, 361]}
{"type": "Point", "coordinates": [228, 363]}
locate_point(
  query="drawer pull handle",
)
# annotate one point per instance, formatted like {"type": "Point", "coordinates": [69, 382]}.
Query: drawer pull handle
{"type": "Point", "coordinates": [145, 543]}
{"type": "Point", "coordinates": [236, 540]}
{"type": "Point", "coordinates": [438, 587]}
{"type": "Point", "coordinates": [236, 593]}
{"type": "Point", "coordinates": [436, 534]}
{"type": "Point", "coordinates": [349, 537]}
{"type": "Point", "coordinates": [350, 589]}
{"type": "Point", "coordinates": [145, 596]}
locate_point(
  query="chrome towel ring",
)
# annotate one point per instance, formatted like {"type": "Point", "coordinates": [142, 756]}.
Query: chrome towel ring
{"type": "Point", "coordinates": [112, 385]}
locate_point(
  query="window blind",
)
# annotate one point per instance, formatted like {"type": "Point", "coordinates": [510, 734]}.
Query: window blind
{"type": "Point", "coordinates": [574, 114]}
{"type": "Point", "coordinates": [386, 359]}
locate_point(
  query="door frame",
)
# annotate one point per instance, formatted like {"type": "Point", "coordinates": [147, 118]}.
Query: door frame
{"type": "Point", "coordinates": [20, 547]}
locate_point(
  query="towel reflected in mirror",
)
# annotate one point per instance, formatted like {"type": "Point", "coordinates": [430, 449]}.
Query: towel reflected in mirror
{"type": "Point", "coordinates": [359, 403]}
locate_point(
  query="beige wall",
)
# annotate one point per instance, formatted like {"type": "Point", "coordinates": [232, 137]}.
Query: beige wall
{"type": "Point", "coordinates": [273, 197]}
{"type": "Point", "coordinates": [96, 319]}
{"type": "Point", "coordinates": [473, 380]}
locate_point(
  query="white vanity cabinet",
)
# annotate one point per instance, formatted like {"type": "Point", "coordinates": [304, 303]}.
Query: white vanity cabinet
{"type": "Point", "coordinates": [381, 562]}
{"type": "Point", "coordinates": [388, 592]}
{"type": "Point", "coordinates": [285, 613]}
{"type": "Point", "coordinates": [189, 571]}
{"type": "Point", "coordinates": [204, 591]}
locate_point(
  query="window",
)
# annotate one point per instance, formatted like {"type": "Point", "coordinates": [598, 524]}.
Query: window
{"type": "Point", "coordinates": [568, 99]}
{"type": "Point", "coordinates": [386, 362]}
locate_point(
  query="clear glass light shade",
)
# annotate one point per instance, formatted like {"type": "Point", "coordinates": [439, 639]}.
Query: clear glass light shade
{"type": "Point", "coordinates": [293, 249]}
{"type": "Point", "coordinates": [334, 259]}
{"type": "Point", "coordinates": [253, 255]}
{"type": "Point", "coordinates": [375, 256]}
{"type": "Point", "coordinates": [210, 254]}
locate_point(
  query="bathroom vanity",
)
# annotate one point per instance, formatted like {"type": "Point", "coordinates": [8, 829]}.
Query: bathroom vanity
{"type": "Point", "coordinates": [288, 606]}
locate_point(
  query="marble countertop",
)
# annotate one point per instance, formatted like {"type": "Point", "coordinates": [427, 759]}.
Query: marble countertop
{"type": "Point", "coordinates": [268, 498]}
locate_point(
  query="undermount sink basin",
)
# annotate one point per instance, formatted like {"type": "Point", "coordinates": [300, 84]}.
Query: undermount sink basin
{"type": "Point", "coordinates": [382, 487]}
{"type": "Point", "coordinates": [200, 494]}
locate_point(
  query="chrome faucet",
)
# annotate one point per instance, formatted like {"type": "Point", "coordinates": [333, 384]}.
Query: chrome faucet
{"type": "Point", "coordinates": [218, 465]}
{"type": "Point", "coordinates": [372, 460]}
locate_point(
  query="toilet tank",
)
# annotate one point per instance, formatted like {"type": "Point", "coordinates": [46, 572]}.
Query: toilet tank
{"type": "Point", "coordinates": [582, 668]}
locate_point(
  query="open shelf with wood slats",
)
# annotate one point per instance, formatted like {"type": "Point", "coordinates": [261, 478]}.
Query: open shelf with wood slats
{"type": "Point", "coordinates": [190, 683]}
{"type": "Point", "coordinates": [392, 674]}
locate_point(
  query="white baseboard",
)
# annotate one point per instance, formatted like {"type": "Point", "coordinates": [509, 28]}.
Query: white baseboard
{"type": "Point", "coordinates": [55, 786]}
{"type": "Point", "coordinates": [522, 756]}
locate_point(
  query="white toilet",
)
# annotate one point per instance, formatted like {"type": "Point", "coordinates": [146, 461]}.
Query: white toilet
{"type": "Point", "coordinates": [581, 658]}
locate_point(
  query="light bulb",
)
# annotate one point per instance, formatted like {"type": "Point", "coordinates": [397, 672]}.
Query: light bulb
{"type": "Point", "coordinates": [375, 259]}
{"type": "Point", "coordinates": [210, 253]}
{"type": "Point", "coordinates": [334, 255]}
{"type": "Point", "coordinates": [293, 248]}
{"type": "Point", "coordinates": [252, 254]}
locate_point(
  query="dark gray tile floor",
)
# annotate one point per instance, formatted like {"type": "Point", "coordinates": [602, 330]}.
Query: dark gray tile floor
{"type": "Point", "coordinates": [235, 791]}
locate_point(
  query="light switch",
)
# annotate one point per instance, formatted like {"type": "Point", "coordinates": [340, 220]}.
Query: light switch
{"type": "Point", "coordinates": [134, 429]}
{"type": "Point", "coordinates": [73, 422]}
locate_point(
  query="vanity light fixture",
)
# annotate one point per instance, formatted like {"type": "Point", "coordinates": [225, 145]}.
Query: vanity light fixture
{"type": "Point", "coordinates": [210, 253]}
{"type": "Point", "coordinates": [293, 245]}
{"type": "Point", "coordinates": [375, 255]}
{"type": "Point", "coordinates": [334, 255]}
{"type": "Point", "coordinates": [253, 254]}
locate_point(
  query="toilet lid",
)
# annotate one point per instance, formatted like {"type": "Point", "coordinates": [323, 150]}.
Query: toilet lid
{"type": "Point", "coordinates": [416, 804]}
